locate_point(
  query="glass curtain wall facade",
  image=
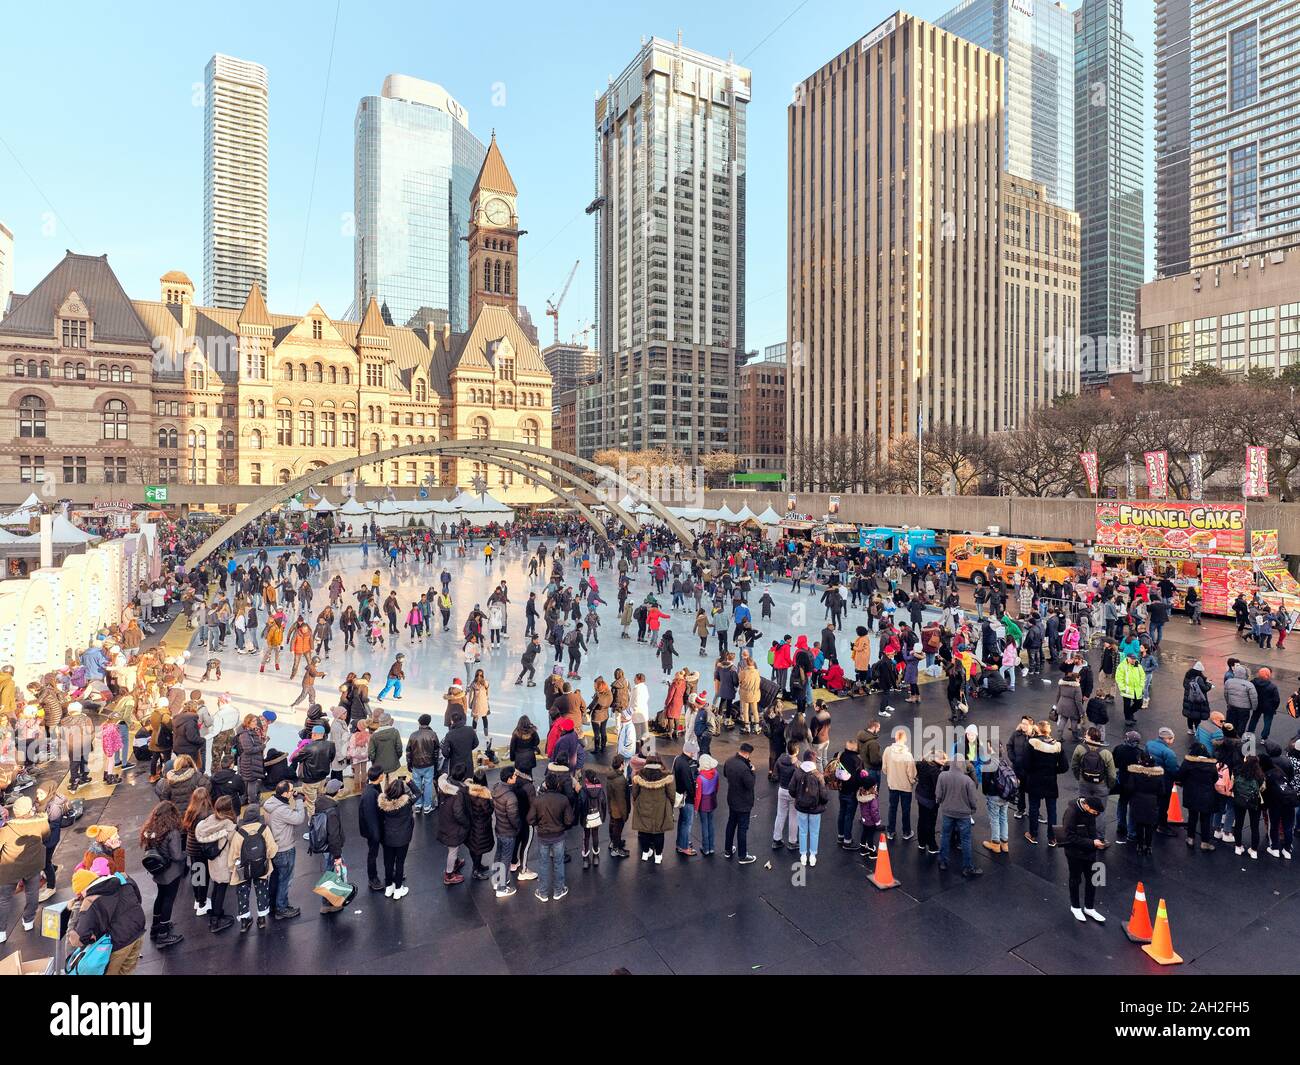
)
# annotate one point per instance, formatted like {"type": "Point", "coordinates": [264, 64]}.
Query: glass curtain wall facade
{"type": "Point", "coordinates": [670, 279]}
{"type": "Point", "coordinates": [1108, 187]}
{"type": "Point", "coordinates": [1035, 39]}
{"type": "Point", "coordinates": [1173, 135]}
{"type": "Point", "coordinates": [415, 167]}
{"type": "Point", "coordinates": [1245, 129]}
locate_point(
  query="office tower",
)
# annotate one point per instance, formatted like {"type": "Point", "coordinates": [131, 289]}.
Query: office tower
{"type": "Point", "coordinates": [569, 364]}
{"type": "Point", "coordinates": [6, 267]}
{"type": "Point", "coordinates": [1245, 68]}
{"type": "Point", "coordinates": [762, 413]}
{"type": "Point", "coordinates": [234, 180]}
{"type": "Point", "coordinates": [1035, 39]}
{"type": "Point", "coordinates": [670, 241]}
{"type": "Point", "coordinates": [1108, 187]}
{"type": "Point", "coordinates": [1173, 136]}
{"type": "Point", "coordinates": [895, 317]}
{"type": "Point", "coordinates": [1040, 296]}
{"type": "Point", "coordinates": [415, 165]}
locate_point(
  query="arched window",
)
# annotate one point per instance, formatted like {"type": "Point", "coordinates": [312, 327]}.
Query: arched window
{"type": "Point", "coordinates": [347, 376]}
{"type": "Point", "coordinates": [31, 416]}
{"type": "Point", "coordinates": [302, 371]}
{"type": "Point", "coordinates": [497, 282]}
{"type": "Point", "coordinates": [230, 440]}
{"type": "Point", "coordinates": [261, 409]}
{"type": "Point", "coordinates": [318, 373]}
{"type": "Point", "coordinates": [45, 369]}
{"type": "Point", "coordinates": [487, 275]}
{"type": "Point", "coordinates": [255, 440]}
{"type": "Point", "coordinates": [334, 376]}
{"type": "Point", "coordinates": [479, 428]}
{"type": "Point", "coordinates": [282, 476]}
{"type": "Point", "coordinates": [126, 374]}
{"type": "Point", "coordinates": [115, 374]}
{"type": "Point", "coordinates": [203, 440]}
{"type": "Point", "coordinates": [167, 438]}
{"type": "Point", "coordinates": [288, 371]}
{"type": "Point", "coordinates": [374, 441]}
{"type": "Point", "coordinates": [252, 408]}
{"type": "Point", "coordinates": [507, 288]}
{"type": "Point", "coordinates": [115, 420]}
{"type": "Point", "coordinates": [532, 432]}
{"type": "Point", "coordinates": [421, 392]}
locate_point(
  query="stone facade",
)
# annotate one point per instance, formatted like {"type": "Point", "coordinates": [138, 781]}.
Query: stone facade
{"type": "Point", "coordinates": [104, 394]}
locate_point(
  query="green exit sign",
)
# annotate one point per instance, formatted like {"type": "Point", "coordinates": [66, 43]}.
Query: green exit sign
{"type": "Point", "coordinates": [155, 493]}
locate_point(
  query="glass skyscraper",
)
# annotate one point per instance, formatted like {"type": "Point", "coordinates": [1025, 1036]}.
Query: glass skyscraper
{"type": "Point", "coordinates": [1245, 136]}
{"type": "Point", "coordinates": [1173, 135]}
{"type": "Point", "coordinates": [1035, 39]}
{"type": "Point", "coordinates": [416, 161]}
{"type": "Point", "coordinates": [1108, 184]}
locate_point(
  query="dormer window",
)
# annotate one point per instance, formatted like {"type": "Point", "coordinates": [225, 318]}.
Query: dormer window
{"type": "Point", "coordinates": [317, 330]}
{"type": "Point", "coordinates": [74, 332]}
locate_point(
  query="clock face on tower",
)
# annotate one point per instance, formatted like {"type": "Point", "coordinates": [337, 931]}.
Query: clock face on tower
{"type": "Point", "coordinates": [496, 212]}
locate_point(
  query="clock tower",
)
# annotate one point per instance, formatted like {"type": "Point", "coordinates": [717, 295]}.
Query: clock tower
{"type": "Point", "coordinates": [493, 238]}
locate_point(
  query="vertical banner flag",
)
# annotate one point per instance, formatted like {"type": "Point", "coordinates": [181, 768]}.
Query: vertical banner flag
{"type": "Point", "coordinates": [834, 506]}
{"type": "Point", "coordinates": [1256, 471]}
{"type": "Point", "coordinates": [1197, 483]}
{"type": "Point", "coordinates": [1157, 463]}
{"type": "Point", "coordinates": [1130, 487]}
{"type": "Point", "coordinates": [1089, 460]}
{"type": "Point", "coordinates": [790, 503]}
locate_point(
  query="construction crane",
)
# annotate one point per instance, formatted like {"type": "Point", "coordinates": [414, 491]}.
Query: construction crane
{"type": "Point", "coordinates": [553, 305]}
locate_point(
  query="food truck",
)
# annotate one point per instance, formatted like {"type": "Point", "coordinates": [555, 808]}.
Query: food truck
{"type": "Point", "coordinates": [921, 546]}
{"type": "Point", "coordinates": [1052, 560]}
{"type": "Point", "coordinates": [836, 534]}
{"type": "Point", "coordinates": [1207, 546]}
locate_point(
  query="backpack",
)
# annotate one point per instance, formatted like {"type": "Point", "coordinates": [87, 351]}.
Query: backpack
{"type": "Point", "coordinates": [1223, 785]}
{"type": "Point", "coordinates": [154, 861]}
{"type": "Point", "coordinates": [318, 833]}
{"type": "Point", "coordinates": [1290, 790]}
{"type": "Point", "coordinates": [253, 863]}
{"type": "Point", "coordinates": [1196, 697]}
{"type": "Point", "coordinates": [210, 851]}
{"type": "Point", "coordinates": [832, 774]}
{"type": "Point", "coordinates": [714, 722]}
{"type": "Point", "coordinates": [91, 959]}
{"type": "Point", "coordinates": [1092, 767]}
{"type": "Point", "coordinates": [1007, 781]}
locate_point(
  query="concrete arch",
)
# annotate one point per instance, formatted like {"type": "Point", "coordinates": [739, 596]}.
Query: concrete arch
{"type": "Point", "coordinates": [527, 454]}
{"type": "Point", "coordinates": [473, 447]}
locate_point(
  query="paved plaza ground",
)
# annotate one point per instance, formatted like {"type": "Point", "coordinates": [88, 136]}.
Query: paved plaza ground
{"type": "Point", "coordinates": [695, 915]}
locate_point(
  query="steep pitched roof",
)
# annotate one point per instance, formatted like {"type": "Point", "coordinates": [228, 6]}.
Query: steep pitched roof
{"type": "Point", "coordinates": [254, 312]}
{"type": "Point", "coordinates": [494, 175]}
{"type": "Point", "coordinates": [93, 280]}
{"type": "Point", "coordinates": [372, 325]}
{"type": "Point", "coordinates": [494, 324]}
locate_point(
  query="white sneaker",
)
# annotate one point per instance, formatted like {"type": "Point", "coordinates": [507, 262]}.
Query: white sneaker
{"type": "Point", "coordinates": [528, 874]}
{"type": "Point", "coordinates": [803, 859]}
{"type": "Point", "coordinates": [388, 891]}
{"type": "Point", "coordinates": [201, 911]}
{"type": "Point", "coordinates": [28, 925]}
{"type": "Point", "coordinates": [659, 859]}
{"type": "Point", "coordinates": [3, 936]}
{"type": "Point", "coordinates": [401, 892]}
{"type": "Point", "coordinates": [1273, 852]}
{"type": "Point", "coordinates": [1078, 914]}
{"type": "Point", "coordinates": [1253, 853]}
{"type": "Point", "coordinates": [1286, 854]}
{"type": "Point", "coordinates": [1238, 851]}
{"type": "Point", "coordinates": [645, 855]}
{"type": "Point", "coordinates": [1095, 916]}
{"type": "Point", "coordinates": [1218, 833]}
{"type": "Point", "coordinates": [812, 859]}
{"type": "Point", "coordinates": [1228, 837]}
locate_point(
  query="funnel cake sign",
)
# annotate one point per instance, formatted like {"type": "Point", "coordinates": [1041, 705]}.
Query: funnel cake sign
{"type": "Point", "coordinates": [1171, 530]}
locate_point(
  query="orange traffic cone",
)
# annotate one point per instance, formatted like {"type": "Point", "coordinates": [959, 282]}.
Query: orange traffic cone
{"type": "Point", "coordinates": [883, 877]}
{"type": "Point", "coordinates": [1175, 816]}
{"type": "Point", "coordinates": [1138, 926]}
{"type": "Point", "coordinates": [1161, 947]}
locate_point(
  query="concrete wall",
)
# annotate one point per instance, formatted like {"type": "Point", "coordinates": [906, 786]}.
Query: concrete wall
{"type": "Point", "coordinates": [1068, 519]}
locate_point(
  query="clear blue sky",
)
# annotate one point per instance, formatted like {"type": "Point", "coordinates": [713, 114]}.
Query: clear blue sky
{"type": "Point", "coordinates": [101, 139]}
